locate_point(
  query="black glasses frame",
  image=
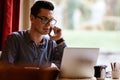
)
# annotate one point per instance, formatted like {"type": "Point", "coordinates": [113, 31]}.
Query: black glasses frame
{"type": "Point", "coordinates": [45, 20]}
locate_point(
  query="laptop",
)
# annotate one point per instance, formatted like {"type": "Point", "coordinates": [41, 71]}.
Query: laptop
{"type": "Point", "coordinates": [78, 63]}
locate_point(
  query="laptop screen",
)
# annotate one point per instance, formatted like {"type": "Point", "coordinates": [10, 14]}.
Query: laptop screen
{"type": "Point", "coordinates": [78, 62]}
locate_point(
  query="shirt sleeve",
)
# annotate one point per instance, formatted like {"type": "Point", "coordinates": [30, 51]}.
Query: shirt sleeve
{"type": "Point", "coordinates": [57, 54]}
{"type": "Point", "coordinates": [9, 52]}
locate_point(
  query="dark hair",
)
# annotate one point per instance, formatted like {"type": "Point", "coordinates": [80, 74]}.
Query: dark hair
{"type": "Point", "coordinates": [35, 9]}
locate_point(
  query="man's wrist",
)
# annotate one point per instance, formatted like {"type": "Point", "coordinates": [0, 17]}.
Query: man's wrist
{"type": "Point", "coordinates": [60, 41]}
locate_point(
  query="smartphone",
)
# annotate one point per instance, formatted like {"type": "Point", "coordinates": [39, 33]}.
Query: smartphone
{"type": "Point", "coordinates": [50, 30]}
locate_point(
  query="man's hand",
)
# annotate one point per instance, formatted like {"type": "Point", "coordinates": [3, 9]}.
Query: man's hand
{"type": "Point", "coordinates": [57, 33]}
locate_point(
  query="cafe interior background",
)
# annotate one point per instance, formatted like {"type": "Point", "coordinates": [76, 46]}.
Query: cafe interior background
{"type": "Point", "coordinates": [85, 23]}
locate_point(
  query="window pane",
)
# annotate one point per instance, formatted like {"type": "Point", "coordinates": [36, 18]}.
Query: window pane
{"type": "Point", "coordinates": [89, 23]}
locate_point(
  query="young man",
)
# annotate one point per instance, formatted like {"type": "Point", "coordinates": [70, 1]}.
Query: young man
{"type": "Point", "coordinates": [31, 46]}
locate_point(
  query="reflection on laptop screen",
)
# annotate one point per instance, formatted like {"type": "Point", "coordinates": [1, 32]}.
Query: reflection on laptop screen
{"type": "Point", "coordinates": [78, 62]}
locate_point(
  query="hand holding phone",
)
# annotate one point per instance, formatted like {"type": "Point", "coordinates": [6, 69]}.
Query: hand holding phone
{"type": "Point", "coordinates": [55, 33]}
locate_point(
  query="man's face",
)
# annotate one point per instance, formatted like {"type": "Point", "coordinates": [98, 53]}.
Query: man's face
{"type": "Point", "coordinates": [41, 23]}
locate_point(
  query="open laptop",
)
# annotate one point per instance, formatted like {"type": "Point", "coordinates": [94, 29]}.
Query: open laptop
{"type": "Point", "coordinates": [78, 62]}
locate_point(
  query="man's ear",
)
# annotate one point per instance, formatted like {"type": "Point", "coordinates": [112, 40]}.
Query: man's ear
{"type": "Point", "coordinates": [32, 17]}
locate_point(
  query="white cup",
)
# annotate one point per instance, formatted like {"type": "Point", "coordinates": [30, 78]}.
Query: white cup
{"type": "Point", "coordinates": [115, 74]}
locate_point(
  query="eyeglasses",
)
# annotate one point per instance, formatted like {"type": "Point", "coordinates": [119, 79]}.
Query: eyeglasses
{"type": "Point", "coordinates": [45, 20]}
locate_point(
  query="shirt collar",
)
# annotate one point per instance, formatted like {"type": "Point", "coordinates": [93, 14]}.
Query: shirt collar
{"type": "Point", "coordinates": [29, 40]}
{"type": "Point", "coordinates": [27, 37]}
